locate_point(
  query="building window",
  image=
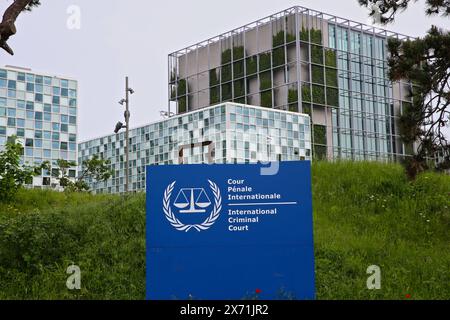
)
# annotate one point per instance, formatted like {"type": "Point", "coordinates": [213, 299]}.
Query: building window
{"type": "Point", "coordinates": [46, 181]}
{"type": "Point", "coordinates": [29, 142]}
{"type": "Point", "coordinates": [11, 122]}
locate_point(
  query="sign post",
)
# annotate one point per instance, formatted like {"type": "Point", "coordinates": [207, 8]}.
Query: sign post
{"type": "Point", "coordinates": [230, 232]}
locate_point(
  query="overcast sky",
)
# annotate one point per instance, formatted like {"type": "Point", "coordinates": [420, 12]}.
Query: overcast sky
{"type": "Point", "coordinates": [134, 37]}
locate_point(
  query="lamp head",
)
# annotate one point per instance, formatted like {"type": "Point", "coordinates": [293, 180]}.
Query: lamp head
{"type": "Point", "coordinates": [119, 126]}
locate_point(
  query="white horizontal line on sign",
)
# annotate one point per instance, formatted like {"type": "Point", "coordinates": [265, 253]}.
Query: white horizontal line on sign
{"type": "Point", "coordinates": [262, 204]}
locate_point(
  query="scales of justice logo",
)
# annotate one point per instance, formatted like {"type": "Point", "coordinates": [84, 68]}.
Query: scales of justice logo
{"type": "Point", "coordinates": [192, 201]}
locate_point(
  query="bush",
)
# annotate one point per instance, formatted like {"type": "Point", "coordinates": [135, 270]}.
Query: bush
{"type": "Point", "coordinates": [320, 134]}
{"type": "Point", "coordinates": [293, 100]}
{"type": "Point", "coordinates": [13, 175]}
{"type": "Point", "coordinates": [226, 73]}
{"type": "Point", "coordinates": [279, 57]}
{"type": "Point", "coordinates": [239, 88]}
{"type": "Point", "coordinates": [226, 92]}
{"type": "Point", "coordinates": [317, 54]}
{"type": "Point", "coordinates": [264, 61]}
{"type": "Point", "coordinates": [34, 241]}
{"type": "Point", "coordinates": [332, 77]}
{"type": "Point", "coordinates": [182, 104]}
{"type": "Point", "coordinates": [330, 58]}
{"type": "Point", "coordinates": [252, 65]}
{"type": "Point", "coordinates": [306, 93]}
{"type": "Point", "coordinates": [182, 87]}
{"type": "Point", "coordinates": [266, 99]}
{"type": "Point", "coordinates": [265, 80]}
{"type": "Point", "coordinates": [316, 35]}
{"type": "Point", "coordinates": [214, 95]}
{"type": "Point", "coordinates": [318, 94]}
{"type": "Point", "coordinates": [317, 74]}
{"type": "Point", "coordinates": [333, 97]}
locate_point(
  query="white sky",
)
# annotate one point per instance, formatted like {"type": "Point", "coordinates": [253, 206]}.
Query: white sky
{"type": "Point", "coordinates": [134, 37]}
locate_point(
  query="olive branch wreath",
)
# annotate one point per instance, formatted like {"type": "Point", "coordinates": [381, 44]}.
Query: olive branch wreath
{"type": "Point", "coordinates": [177, 224]}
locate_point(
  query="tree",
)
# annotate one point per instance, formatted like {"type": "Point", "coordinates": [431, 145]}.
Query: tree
{"type": "Point", "coordinates": [388, 9]}
{"type": "Point", "coordinates": [95, 168]}
{"type": "Point", "coordinates": [425, 63]}
{"type": "Point", "coordinates": [7, 26]}
{"type": "Point", "coordinates": [13, 175]}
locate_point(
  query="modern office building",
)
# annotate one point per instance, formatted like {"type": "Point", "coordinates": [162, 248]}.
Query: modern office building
{"type": "Point", "coordinates": [302, 60]}
{"type": "Point", "coordinates": [225, 133]}
{"type": "Point", "coordinates": [41, 111]}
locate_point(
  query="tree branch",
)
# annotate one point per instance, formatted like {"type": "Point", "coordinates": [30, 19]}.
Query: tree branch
{"type": "Point", "coordinates": [7, 26]}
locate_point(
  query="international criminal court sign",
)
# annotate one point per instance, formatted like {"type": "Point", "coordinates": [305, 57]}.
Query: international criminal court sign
{"type": "Point", "coordinates": [230, 232]}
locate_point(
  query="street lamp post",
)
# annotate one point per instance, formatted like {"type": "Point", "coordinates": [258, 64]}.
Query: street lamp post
{"type": "Point", "coordinates": [120, 126]}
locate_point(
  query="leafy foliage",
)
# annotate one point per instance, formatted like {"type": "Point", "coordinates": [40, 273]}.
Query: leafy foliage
{"type": "Point", "coordinates": [306, 93]}
{"type": "Point", "coordinates": [317, 74]}
{"type": "Point", "coordinates": [425, 63]}
{"type": "Point", "coordinates": [95, 169]}
{"type": "Point", "coordinates": [293, 100]}
{"type": "Point", "coordinates": [386, 10]}
{"type": "Point", "coordinates": [318, 94]}
{"type": "Point", "coordinates": [13, 175]}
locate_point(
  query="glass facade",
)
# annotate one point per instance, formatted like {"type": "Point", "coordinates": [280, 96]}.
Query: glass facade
{"type": "Point", "coordinates": [227, 133]}
{"type": "Point", "coordinates": [41, 111]}
{"type": "Point", "coordinates": [305, 61]}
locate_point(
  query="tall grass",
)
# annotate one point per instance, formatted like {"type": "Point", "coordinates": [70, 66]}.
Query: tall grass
{"type": "Point", "coordinates": [364, 214]}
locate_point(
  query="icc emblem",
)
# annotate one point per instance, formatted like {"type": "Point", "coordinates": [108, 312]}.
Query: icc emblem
{"type": "Point", "coordinates": [190, 201]}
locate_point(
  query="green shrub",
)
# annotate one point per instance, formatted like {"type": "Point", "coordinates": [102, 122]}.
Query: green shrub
{"type": "Point", "coordinates": [318, 94]}
{"type": "Point", "coordinates": [306, 109]}
{"type": "Point", "coordinates": [332, 97]}
{"type": "Point", "coordinates": [214, 95]}
{"type": "Point", "coordinates": [34, 241]}
{"type": "Point", "coordinates": [320, 134]}
{"type": "Point", "coordinates": [279, 57]}
{"type": "Point", "coordinates": [278, 39]}
{"type": "Point", "coordinates": [316, 35]}
{"type": "Point", "coordinates": [265, 80]}
{"type": "Point", "coordinates": [238, 53]}
{"type": "Point", "coordinates": [304, 34]}
{"type": "Point", "coordinates": [306, 93]}
{"type": "Point", "coordinates": [226, 92]}
{"type": "Point", "coordinates": [226, 73]}
{"type": "Point", "coordinates": [332, 77]}
{"type": "Point", "coordinates": [226, 56]}
{"type": "Point", "coordinates": [266, 99]}
{"type": "Point", "coordinates": [293, 100]}
{"type": "Point", "coordinates": [239, 88]}
{"type": "Point", "coordinates": [238, 69]}
{"type": "Point", "coordinates": [182, 104]}
{"type": "Point", "coordinates": [251, 65]}
{"type": "Point", "coordinates": [317, 54]}
{"type": "Point", "coordinates": [330, 58]}
{"type": "Point", "coordinates": [182, 87]}
{"type": "Point", "coordinates": [214, 91]}
{"type": "Point", "coordinates": [264, 61]}
{"type": "Point", "coordinates": [292, 95]}
{"type": "Point", "coordinates": [13, 174]}
{"type": "Point", "coordinates": [320, 152]}
{"type": "Point", "coordinates": [317, 74]}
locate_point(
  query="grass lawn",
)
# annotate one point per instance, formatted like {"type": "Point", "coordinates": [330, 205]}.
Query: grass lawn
{"type": "Point", "coordinates": [364, 214]}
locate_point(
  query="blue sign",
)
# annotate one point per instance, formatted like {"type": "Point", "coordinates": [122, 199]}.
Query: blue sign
{"type": "Point", "coordinates": [230, 232]}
